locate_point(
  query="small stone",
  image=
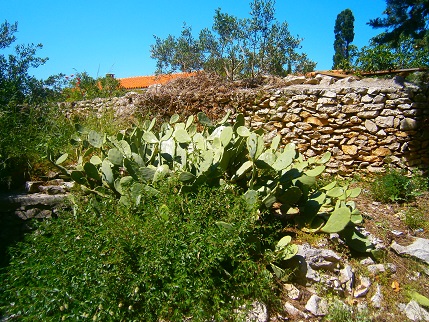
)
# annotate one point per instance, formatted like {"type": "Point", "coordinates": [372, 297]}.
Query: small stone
{"type": "Point", "coordinates": [292, 292]}
{"type": "Point", "coordinates": [377, 298]}
{"type": "Point", "coordinates": [363, 287]}
{"type": "Point", "coordinates": [376, 269]}
{"type": "Point", "coordinates": [293, 311]}
{"type": "Point", "coordinates": [382, 152]}
{"type": "Point", "coordinates": [367, 261]}
{"type": "Point", "coordinates": [347, 277]}
{"type": "Point", "coordinates": [258, 313]}
{"type": "Point", "coordinates": [408, 124]}
{"type": "Point", "coordinates": [350, 149]}
{"type": "Point", "coordinates": [371, 126]}
{"type": "Point", "coordinates": [317, 305]}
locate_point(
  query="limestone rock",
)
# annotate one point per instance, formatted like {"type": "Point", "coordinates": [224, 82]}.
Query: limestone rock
{"type": "Point", "coordinates": [317, 306]}
{"type": "Point", "coordinates": [408, 124]}
{"type": "Point", "coordinates": [377, 298]}
{"type": "Point", "coordinates": [258, 313]}
{"type": "Point", "coordinates": [371, 126]}
{"type": "Point", "coordinates": [363, 287]}
{"type": "Point", "coordinates": [419, 249]}
{"type": "Point", "coordinates": [350, 149]}
{"type": "Point", "coordinates": [293, 311]}
{"type": "Point", "coordinates": [292, 291]}
{"type": "Point", "coordinates": [414, 311]}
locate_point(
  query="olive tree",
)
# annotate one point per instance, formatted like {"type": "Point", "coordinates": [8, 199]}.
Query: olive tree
{"type": "Point", "coordinates": [236, 48]}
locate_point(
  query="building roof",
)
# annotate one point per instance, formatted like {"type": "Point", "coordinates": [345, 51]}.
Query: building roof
{"type": "Point", "coordinates": [146, 81]}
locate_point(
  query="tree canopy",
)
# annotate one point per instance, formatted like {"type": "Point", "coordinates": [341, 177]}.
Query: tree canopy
{"type": "Point", "coordinates": [16, 84]}
{"type": "Point", "coordinates": [235, 47]}
{"type": "Point", "coordinates": [404, 18]}
{"type": "Point", "coordinates": [344, 35]}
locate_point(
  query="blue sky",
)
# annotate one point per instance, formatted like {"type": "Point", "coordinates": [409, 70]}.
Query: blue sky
{"type": "Point", "coordinates": [103, 36]}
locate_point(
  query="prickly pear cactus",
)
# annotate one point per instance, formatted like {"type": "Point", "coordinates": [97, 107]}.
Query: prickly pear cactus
{"type": "Point", "coordinates": [222, 153]}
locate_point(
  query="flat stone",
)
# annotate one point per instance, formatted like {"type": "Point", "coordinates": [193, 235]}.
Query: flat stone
{"type": "Point", "coordinates": [414, 311]}
{"type": "Point", "coordinates": [382, 152]}
{"type": "Point", "coordinates": [363, 288]}
{"type": "Point", "coordinates": [371, 126]}
{"type": "Point", "coordinates": [408, 124]}
{"type": "Point", "coordinates": [317, 306]}
{"type": "Point", "coordinates": [292, 291]}
{"type": "Point", "coordinates": [377, 298]}
{"type": "Point", "coordinates": [350, 149]}
{"type": "Point", "coordinates": [293, 311]}
{"type": "Point", "coordinates": [418, 249]}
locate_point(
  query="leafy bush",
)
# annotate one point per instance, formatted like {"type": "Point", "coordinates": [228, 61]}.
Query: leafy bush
{"type": "Point", "coordinates": [84, 87]}
{"type": "Point", "coordinates": [414, 218]}
{"type": "Point", "coordinates": [394, 185]}
{"type": "Point", "coordinates": [25, 132]}
{"type": "Point", "coordinates": [175, 256]}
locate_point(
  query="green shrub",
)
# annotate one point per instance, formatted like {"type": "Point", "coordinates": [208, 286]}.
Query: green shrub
{"type": "Point", "coordinates": [414, 218]}
{"type": "Point", "coordinates": [25, 132]}
{"type": "Point", "coordinates": [173, 257]}
{"type": "Point", "coordinates": [395, 186]}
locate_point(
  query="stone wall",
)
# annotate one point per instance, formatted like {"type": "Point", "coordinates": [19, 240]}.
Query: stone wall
{"type": "Point", "coordinates": [365, 124]}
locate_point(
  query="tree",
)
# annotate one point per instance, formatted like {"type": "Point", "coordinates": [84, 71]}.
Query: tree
{"type": "Point", "coordinates": [384, 57]}
{"type": "Point", "coordinates": [183, 53]}
{"type": "Point", "coordinates": [408, 18]}
{"type": "Point", "coordinates": [16, 85]}
{"type": "Point", "coordinates": [224, 47]}
{"type": "Point", "coordinates": [344, 36]}
{"type": "Point", "coordinates": [236, 48]}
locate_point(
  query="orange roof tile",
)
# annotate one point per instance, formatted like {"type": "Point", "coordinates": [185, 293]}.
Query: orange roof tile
{"type": "Point", "coordinates": [146, 81]}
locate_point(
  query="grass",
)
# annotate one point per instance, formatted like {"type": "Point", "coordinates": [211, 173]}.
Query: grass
{"type": "Point", "coordinates": [27, 131]}
{"type": "Point", "coordinates": [396, 186]}
{"type": "Point", "coordinates": [165, 260]}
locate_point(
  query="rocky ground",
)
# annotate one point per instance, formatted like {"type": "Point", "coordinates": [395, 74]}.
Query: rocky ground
{"type": "Point", "coordinates": [334, 284]}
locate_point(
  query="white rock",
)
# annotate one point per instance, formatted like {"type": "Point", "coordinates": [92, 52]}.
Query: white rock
{"type": "Point", "coordinates": [363, 287]}
{"type": "Point", "coordinates": [377, 298]}
{"type": "Point", "coordinates": [347, 277]}
{"type": "Point", "coordinates": [414, 311]}
{"type": "Point", "coordinates": [317, 305]}
{"type": "Point", "coordinates": [419, 249]}
{"type": "Point", "coordinates": [258, 313]}
{"type": "Point", "coordinates": [293, 311]}
{"type": "Point", "coordinates": [292, 292]}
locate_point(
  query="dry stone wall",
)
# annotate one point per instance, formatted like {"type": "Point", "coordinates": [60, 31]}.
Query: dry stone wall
{"type": "Point", "coordinates": [365, 124]}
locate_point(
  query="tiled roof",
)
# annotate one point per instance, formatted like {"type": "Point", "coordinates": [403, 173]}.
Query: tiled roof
{"type": "Point", "coordinates": [146, 81]}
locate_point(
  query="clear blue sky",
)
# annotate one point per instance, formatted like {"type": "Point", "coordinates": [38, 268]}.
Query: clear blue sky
{"type": "Point", "coordinates": [103, 36]}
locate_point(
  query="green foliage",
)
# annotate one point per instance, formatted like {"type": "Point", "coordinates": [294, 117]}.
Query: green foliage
{"type": "Point", "coordinates": [414, 218]}
{"type": "Point", "coordinates": [134, 160]}
{"type": "Point", "coordinates": [403, 19]}
{"type": "Point", "coordinates": [395, 186]}
{"type": "Point", "coordinates": [340, 312]}
{"type": "Point", "coordinates": [174, 257]}
{"type": "Point", "coordinates": [17, 86]}
{"type": "Point", "coordinates": [84, 87]}
{"type": "Point", "coordinates": [235, 48]}
{"type": "Point", "coordinates": [385, 57]}
{"type": "Point", "coordinates": [25, 132]}
{"type": "Point", "coordinates": [344, 35]}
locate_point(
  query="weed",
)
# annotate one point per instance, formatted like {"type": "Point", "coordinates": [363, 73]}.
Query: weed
{"type": "Point", "coordinates": [395, 186]}
{"type": "Point", "coordinates": [166, 260]}
{"type": "Point", "coordinates": [414, 218]}
{"type": "Point", "coordinates": [340, 312]}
